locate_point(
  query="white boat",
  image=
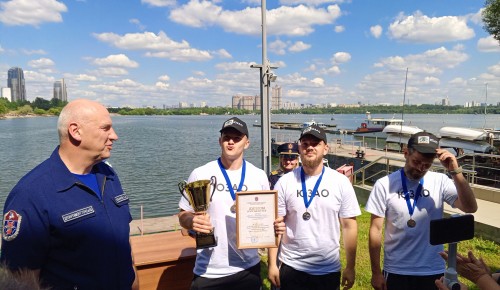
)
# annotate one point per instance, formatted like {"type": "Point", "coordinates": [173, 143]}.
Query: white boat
{"type": "Point", "coordinates": [461, 133]}
{"type": "Point", "coordinates": [466, 145]}
{"type": "Point", "coordinates": [401, 129]}
{"type": "Point", "coordinates": [373, 127]}
{"type": "Point", "coordinates": [312, 122]}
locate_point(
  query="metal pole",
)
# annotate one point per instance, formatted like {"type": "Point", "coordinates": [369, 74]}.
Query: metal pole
{"type": "Point", "coordinates": [265, 109]}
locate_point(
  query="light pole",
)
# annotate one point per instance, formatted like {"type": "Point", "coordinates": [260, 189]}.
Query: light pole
{"type": "Point", "coordinates": [265, 80]}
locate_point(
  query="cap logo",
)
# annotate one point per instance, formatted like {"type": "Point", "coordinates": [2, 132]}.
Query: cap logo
{"type": "Point", "coordinates": [228, 123]}
{"type": "Point", "coordinates": [423, 140]}
{"type": "Point", "coordinates": [11, 225]}
{"type": "Point", "coordinates": [231, 122]}
{"type": "Point", "coordinates": [309, 129]}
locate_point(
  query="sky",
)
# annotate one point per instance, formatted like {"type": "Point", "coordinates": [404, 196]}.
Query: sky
{"type": "Point", "coordinates": [141, 53]}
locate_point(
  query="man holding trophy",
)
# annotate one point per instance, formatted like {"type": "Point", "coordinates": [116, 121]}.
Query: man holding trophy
{"type": "Point", "coordinates": [219, 263]}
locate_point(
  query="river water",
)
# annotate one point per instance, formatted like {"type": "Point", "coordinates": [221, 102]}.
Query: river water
{"type": "Point", "coordinates": [154, 153]}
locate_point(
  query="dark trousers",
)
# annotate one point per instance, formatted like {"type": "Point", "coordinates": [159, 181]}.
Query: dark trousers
{"type": "Point", "coordinates": [248, 279]}
{"type": "Point", "coordinates": [406, 282]}
{"type": "Point", "coordinates": [292, 279]}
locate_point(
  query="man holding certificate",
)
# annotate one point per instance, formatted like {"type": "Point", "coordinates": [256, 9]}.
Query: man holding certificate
{"type": "Point", "coordinates": [224, 266]}
{"type": "Point", "coordinates": [314, 202]}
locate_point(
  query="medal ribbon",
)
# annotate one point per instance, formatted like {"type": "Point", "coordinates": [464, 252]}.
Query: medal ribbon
{"type": "Point", "coordinates": [304, 190]}
{"type": "Point", "coordinates": [411, 208]}
{"type": "Point", "coordinates": [228, 181]}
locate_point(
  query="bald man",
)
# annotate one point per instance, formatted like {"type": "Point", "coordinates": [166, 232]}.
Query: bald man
{"type": "Point", "coordinates": [68, 219]}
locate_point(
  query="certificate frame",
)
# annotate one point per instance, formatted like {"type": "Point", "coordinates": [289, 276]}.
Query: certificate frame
{"type": "Point", "coordinates": [255, 215]}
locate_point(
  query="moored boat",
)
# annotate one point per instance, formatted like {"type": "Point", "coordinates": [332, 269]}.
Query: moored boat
{"type": "Point", "coordinates": [373, 127]}
{"type": "Point", "coordinates": [401, 129]}
{"type": "Point", "coordinates": [462, 133]}
{"type": "Point", "coordinates": [464, 146]}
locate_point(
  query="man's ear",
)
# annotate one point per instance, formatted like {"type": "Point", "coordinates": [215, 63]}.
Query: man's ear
{"type": "Point", "coordinates": [74, 131]}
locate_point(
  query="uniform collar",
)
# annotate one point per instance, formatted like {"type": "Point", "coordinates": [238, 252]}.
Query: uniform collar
{"type": "Point", "coordinates": [64, 179]}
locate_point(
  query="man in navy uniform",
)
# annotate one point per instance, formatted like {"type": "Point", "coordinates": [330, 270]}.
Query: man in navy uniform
{"type": "Point", "coordinates": [289, 159]}
{"type": "Point", "coordinates": [68, 219]}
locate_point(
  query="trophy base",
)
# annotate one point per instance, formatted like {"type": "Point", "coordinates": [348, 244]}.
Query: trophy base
{"type": "Point", "coordinates": [205, 240]}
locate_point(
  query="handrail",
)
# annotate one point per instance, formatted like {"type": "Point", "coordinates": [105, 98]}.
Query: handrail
{"type": "Point", "coordinates": [436, 167]}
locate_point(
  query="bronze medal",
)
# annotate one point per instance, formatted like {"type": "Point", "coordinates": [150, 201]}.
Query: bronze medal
{"type": "Point", "coordinates": [411, 223]}
{"type": "Point", "coordinates": [233, 208]}
{"type": "Point", "coordinates": [306, 216]}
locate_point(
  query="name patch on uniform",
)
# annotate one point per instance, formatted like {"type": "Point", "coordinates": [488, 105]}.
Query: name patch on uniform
{"type": "Point", "coordinates": [121, 198]}
{"type": "Point", "coordinates": [11, 225]}
{"type": "Point", "coordinates": [78, 214]}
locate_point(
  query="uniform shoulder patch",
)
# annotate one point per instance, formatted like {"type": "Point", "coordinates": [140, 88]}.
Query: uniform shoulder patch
{"type": "Point", "coordinates": [11, 225]}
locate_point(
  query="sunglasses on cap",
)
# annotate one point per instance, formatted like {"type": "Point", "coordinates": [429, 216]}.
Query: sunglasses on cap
{"type": "Point", "coordinates": [290, 156]}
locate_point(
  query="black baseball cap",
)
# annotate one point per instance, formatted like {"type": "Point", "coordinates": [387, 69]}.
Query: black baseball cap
{"type": "Point", "coordinates": [315, 131]}
{"type": "Point", "coordinates": [288, 148]}
{"type": "Point", "coordinates": [235, 123]}
{"type": "Point", "coordinates": [424, 142]}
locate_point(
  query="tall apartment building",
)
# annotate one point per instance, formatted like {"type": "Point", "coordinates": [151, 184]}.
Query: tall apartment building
{"type": "Point", "coordinates": [60, 92]}
{"type": "Point", "coordinates": [251, 103]}
{"type": "Point", "coordinates": [15, 81]}
{"type": "Point", "coordinates": [276, 98]}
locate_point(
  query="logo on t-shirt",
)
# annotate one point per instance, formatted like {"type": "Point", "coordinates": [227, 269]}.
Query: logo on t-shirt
{"type": "Point", "coordinates": [11, 225]}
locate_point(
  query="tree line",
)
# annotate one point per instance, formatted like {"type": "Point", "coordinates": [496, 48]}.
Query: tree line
{"type": "Point", "coordinates": [53, 107]}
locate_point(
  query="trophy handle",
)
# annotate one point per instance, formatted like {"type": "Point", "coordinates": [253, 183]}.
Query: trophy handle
{"type": "Point", "coordinates": [213, 181]}
{"type": "Point", "coordinates": [182, 186]}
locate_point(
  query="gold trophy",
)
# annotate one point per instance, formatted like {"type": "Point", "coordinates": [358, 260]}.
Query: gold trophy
{"type": "Point", "coordinates": [199, 196]}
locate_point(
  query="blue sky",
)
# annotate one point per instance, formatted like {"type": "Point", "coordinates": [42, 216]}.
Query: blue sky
{"type": "Point", "coordinates": [161, 52]}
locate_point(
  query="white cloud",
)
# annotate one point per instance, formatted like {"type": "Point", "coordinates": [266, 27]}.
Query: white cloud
{"type": "Point", "coordinates": [159, 3]}
{"type": "Point", "coordinates": [495, 69]}
{"type": "Point", "coordinates": [341, 57]}
{"type": "Point", "coordinates": [309, 2]}
{"type": "Point", "coordinates": [432, 81]}
{"type": "Point", "coordinates": [33, 51]}
{"type": "Point", "coordinates": [222, 53]}
{"type": "Point", "coordinates": [430, 62]}
{"type": "Point", "coordinates": [293, 21]}
{"type": "Point", "coordinates": [318, 82]}
{"type": "Point", "coordinates": [420, 28]}
{"type": "Point", "coordinates": [488, 44]}
{"type": "Point", "coordinates": [116, 60]}
{"type": "Point", "coordinates": [299, 46]}
{"type": "Point", "coordinates": [138, 23]}
{"type": "Point", "coordinates": [31, 12]}
{"type": "Point", "coordinates": [376, 31]}
{"type": "Point", "coordinates": [160, 45]}
{"type": "Point", "coordinates": [41, 63]}
{"type": "Point", "coordinates": [278, 47]}
{"type": "Point", "coordinates": [334, 70]}
{"type": "Point", "coordinates": [85, 77]}
{"type": "Point", "coordinates": [339, 28]}
{"type": "Point", "coordinates": [112, 71]}
{"type": "Point", "coordinates": [231, 66]}
{"type": "Point", "coordinates": [164, 78]}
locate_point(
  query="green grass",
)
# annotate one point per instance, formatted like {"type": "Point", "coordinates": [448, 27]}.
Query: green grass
{"type": "Point", "coordinates": [486, 249]}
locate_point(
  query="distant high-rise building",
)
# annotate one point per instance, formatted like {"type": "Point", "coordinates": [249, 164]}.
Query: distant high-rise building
{"type": "Point", "coordinates": [15, 81]}
{"type": "Point", "coordinates": [7, 93]}
{"type": "Point", "coordinates": [60, 92]}
{"type": "Point", "coordinates": [276, 102]}
{"type": "Point", "coordinates": [251, 103]}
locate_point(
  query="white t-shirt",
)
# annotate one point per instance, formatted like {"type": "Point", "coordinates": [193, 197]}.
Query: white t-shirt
{"type": "Point", "coordinates": [313, 246]}
{"type": "Point", "coordinates": [225, 259]}
{"type": "Point", "coordinates": [407, 251]}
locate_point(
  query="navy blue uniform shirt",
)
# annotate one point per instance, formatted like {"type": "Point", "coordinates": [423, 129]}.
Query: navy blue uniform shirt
{"type": "Point", "coordinates": [54, 223]}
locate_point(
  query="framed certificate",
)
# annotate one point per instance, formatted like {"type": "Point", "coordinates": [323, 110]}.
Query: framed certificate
{"type": "Point", "coordinates": [255, 215]}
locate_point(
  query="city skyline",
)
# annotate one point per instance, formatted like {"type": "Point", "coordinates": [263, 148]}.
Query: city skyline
{"type": "Point", "coordinates": [164, 52]}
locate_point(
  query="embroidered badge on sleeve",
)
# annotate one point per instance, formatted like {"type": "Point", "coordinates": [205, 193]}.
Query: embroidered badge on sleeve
{"type": "Point", "coordinates": [11, 225]}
